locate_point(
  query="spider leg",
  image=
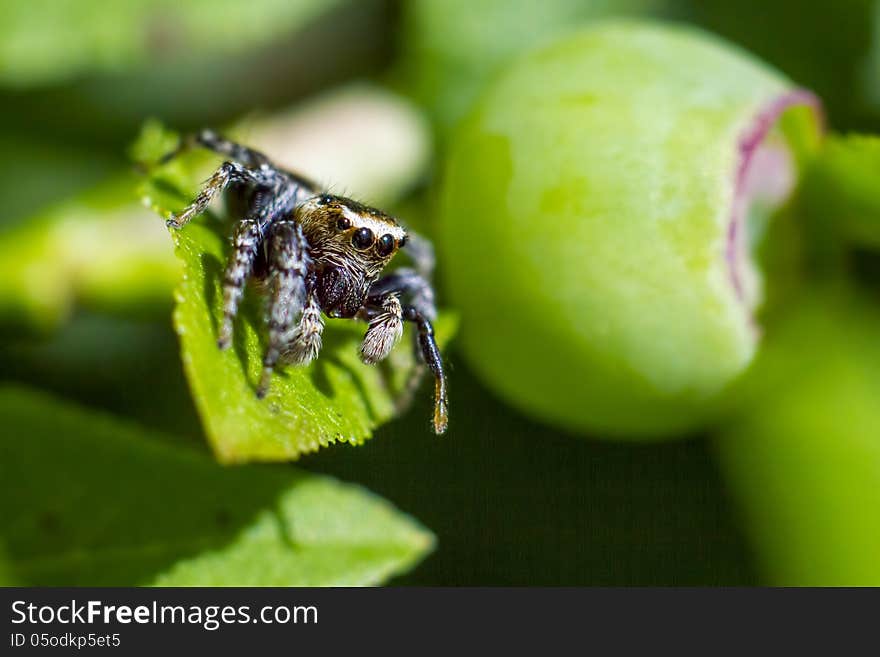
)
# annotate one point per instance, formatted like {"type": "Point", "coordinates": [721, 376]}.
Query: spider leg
{"type": "Point", "coordinates": [412, 285]}
{"type": "Point", "coordinates": [247, 156]}
{"type": "Point", "coordinates": [420, 310]}
{"type": "Point", "coordinates": [247, 240]}
{"type": "Point", "coordinates": [306, 342]}
{"type": "Point", "coordinates": [229, 172]}
{"type": "Point", "coordinates": [431, 356]}
{"type": "Point", "coordinates": [214, 142]}
{"type": "Point", "coordinates": [245, 243]}
{"type": "Point", "coordinates": [288, 263]}
{"type": "Point", "coordinates": [421, 252]}
{"type": "Point", "coordinates": [386, 327]}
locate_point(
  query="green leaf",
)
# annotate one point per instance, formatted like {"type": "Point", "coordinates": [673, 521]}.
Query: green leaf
{"type": "Point", "coordinates": [802, 456]}
{"type": "Point", "coordinates": [47, 171]}
{"type": "Point", "coordinates": [335, 399]}
{"type": "Point", "coordinates": [100, 248]}
{"type": "Point", "coordinates": [842, 190]}
{"type": "Point", "coordinates": [89, 500]}
{"type": "Point", "coordinates": [45, 41]}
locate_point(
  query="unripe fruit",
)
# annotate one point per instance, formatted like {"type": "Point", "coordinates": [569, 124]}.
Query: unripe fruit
{"type": "Point", "coordinates": [596, 212]}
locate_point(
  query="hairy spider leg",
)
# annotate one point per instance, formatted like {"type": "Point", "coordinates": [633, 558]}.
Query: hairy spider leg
{"type": "Point", "coordinates": [412, 285]}
{"type": "Point", "coordinates": [431, 356]}
{"type": "Point", "coordinates": [249, 157]}
{"type": "Point", "coordinates": [249, 237]}
{"type": "Point", "coordinates": [246, 242]}
{"type": "Point", "coordinates": [229, 172]}
{"type": "Point", "coordinates": [213, 142]}
{"type": "Point", "coordinates": [306, 342]}
{"type": "Point", "coordinates": [289, 256]}
{"type": "Point", "coordinates": [419, 309]}
{"type": "Point", "coordinates": [244, 155]}
{"type": "Point", "coordinates": [384, 331]}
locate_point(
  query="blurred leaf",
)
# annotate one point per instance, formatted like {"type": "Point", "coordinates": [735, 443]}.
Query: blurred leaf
{"type": "Point", "coordinates": [102, 110]}
{"type": "Point", "coordinates": [842, 188]}
{"type": "Point", "coordinates": [44, 41]}
{"type": "Point", "coordinates": [454, 47]}
{"type": "Point", "coordinates": [100, 248]}
{"type": "Point", "coordinates": [803, 457]}
{"type": "Point", "coordinates": [88, 500]}
{"type": "Point", "coordinates": [122, 365]}
{"type": "Point", "coordinates": [335, 399]}
{"type": "Point", "coordinates": [44, 172]}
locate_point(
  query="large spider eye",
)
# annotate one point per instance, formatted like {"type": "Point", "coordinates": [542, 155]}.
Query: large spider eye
{"type": "Point", "coordinates": [362, 238]}
{"type": "Point", "coordinates": [343, 223]}
{"type": "Point", "coordinates": [385, 245]}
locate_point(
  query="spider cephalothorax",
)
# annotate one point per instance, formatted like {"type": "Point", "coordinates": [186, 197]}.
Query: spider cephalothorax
{"type": "Point", "coordinates": [320, 254]}
{"type": "Point", "coordinates": [350, 246]}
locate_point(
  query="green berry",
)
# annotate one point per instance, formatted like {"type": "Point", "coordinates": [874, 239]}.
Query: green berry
{"type": "Point", "coordinates": [597, 222]}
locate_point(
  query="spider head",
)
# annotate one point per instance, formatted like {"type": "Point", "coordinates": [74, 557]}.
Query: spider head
{"type": "Point", "coordinates": [341, 229]}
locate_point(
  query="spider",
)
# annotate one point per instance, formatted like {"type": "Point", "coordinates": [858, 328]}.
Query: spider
{"type": "Point", "coordinates": [318, 253]}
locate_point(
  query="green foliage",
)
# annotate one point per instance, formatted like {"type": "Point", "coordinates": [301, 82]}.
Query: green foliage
{"type": "Point", "coordinates": [335, 399]}
{"type": "Point", "coordinates": [843, 188]}
{"type": "Point", "coordinates": [99, 248]}
{"type": "Point", "coordinates": [88, 500]}
{"type": "Point", "coordinates": [803, 454]}
{"type": "Point", "coordinates": [602, 288]}
{"type": "Point", "coordinates": [45, 173]}
{"type": "Point", "coordinates": [51, 40]}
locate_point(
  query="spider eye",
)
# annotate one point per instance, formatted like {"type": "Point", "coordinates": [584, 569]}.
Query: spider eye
{"type": "Point", "coordinates": [402, 242]}
{"type": "Point", "coordinates": [325, 199]}
{"type": "Point", "coordinates": [362, 238]}
{"type": "Point", "coordinates": [343, 223]}
{"type": "Point", "coordinates": [385, 245]}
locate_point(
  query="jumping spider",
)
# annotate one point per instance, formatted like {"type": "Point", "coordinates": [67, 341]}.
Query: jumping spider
{"type": "Point", "coordinates": [318, 253]}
